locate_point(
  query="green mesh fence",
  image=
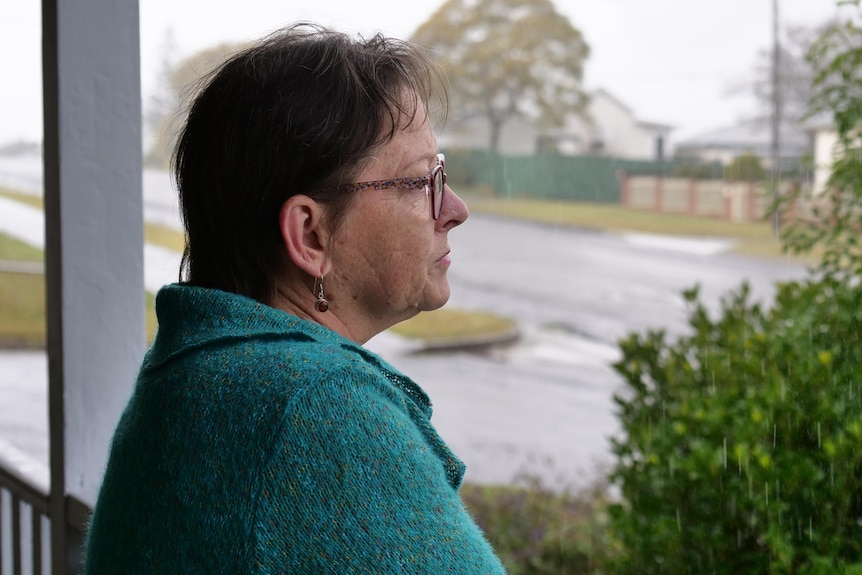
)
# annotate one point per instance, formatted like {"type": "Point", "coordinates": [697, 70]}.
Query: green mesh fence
{"type": "Point", "coordinates": [547, 175]}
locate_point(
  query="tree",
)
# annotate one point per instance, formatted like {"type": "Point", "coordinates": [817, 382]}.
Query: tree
{"type": "Point", "coordinates": [835, 225]}
{"type": "Point", "coordinates": [795, 75]}
{"type": "Point", "coordinates": [508, 58]}
{"type": "Point", "coordinates": [161, 103]}
{"type": "Point", "coordinates": [177, 84]}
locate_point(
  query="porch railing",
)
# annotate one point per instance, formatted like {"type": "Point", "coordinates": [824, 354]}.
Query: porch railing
{"type": "Point", "coordinates": [25, 530]}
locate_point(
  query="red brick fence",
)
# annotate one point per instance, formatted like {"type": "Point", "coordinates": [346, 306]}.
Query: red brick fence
{"type": "Point", "coordinates": [735, 201]}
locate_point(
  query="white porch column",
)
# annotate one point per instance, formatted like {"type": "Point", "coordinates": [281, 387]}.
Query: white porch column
{"type": "Point", "coordinates": [93, 243]}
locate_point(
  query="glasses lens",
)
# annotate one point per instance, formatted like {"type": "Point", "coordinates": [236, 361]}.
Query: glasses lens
{"type": "Point", "coordinates": [437, 191]}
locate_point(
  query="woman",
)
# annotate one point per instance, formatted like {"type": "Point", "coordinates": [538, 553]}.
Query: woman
{"type": "Point", "coordinates": [261, 436]}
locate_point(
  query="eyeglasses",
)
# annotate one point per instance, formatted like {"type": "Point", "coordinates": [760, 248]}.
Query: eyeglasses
{"type": "Point", "coordinates": [434, 184]}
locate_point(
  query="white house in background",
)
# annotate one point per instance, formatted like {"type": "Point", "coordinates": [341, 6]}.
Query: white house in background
{"type": "Point", "coordinates": [611, 130]}
{"type": "Point", "coordinates": [825, 136]}
{"type": "Point", "coordinates": [751, 137]}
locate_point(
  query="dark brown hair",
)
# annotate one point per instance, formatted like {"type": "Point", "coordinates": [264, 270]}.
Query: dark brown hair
{"type": "Point", "coordinates": [296, 113]}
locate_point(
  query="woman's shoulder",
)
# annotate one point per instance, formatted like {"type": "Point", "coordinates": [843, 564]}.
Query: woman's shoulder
{"type": "Point", "coordinates": [198, 321]}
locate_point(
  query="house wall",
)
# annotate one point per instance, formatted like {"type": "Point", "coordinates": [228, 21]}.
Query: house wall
{"type": "Point", "coordinates": [825, 140]}
{"type": "Point", "coordinates": [621, 134]}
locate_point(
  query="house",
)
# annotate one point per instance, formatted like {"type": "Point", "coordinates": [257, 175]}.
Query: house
{"type": "Point", "coordinates": [825, 139]}
{"type": "Point", "coordinates": [611, 129]}
{"type": "Point", "coordinates": [750, 137]}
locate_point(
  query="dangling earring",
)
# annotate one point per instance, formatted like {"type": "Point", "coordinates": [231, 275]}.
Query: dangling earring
{"type": "Point", "coordinates": [321, 304]}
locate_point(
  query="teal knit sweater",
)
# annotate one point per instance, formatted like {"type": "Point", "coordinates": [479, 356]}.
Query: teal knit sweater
{"type": "Point", "coordinates": [256, 442]}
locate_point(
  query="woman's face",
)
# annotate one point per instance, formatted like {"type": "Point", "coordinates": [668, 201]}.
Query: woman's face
{"type": "Point", "coordinates": [389, 257]}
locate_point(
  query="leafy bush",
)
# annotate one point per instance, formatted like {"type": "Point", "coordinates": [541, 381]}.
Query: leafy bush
{"type": "Point", "coordinates": [835, 222]}
{"type": "Point", "coordinates": [537, 531]}
{"type": "Point", "coordinates": [697, 170]}
{"type": "Point", "coordinates": [745, 168]}
{"type": "Point", "coordinates": [741, 448]}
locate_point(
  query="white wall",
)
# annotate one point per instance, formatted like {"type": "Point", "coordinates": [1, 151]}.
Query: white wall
{"type": "Point", "coordinates": [825, 140]}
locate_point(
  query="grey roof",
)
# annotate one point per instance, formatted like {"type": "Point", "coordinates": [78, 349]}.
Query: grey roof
{"type": "Point", "coordinates": [819, 121]}
{"type": "Point", "coordinates": [754, 135]}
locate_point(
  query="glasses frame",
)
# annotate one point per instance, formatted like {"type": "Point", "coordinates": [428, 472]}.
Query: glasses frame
{"type": "Point", "coordinates": [434, 183]}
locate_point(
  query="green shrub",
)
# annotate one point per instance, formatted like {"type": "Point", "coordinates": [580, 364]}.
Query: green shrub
{"type": "Point", "coordinates": [537, 531]}
{"type": "Point", "coordinates": [742, 444]}
{"type": "Point", "coordinates": [697, 170]}
{"type": "Point", "coordinates": [745, 168]}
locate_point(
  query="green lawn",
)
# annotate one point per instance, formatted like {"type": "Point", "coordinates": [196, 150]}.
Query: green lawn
{"type": "Point", "coordinates": [452, 323]}
{"type": "Point", "coordinates": [14, 250]}
{"type": "Point", "coordinates": [22, 299]}
{"type": "Point", "coordinates": [752, 238]}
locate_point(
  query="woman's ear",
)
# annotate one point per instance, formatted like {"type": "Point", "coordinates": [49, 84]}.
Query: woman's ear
{"type": "Point", "coordinates": [304, 232]}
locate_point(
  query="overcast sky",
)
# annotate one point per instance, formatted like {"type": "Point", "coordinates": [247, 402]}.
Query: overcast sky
{"type": "Point", "coordinates": [671, 61]}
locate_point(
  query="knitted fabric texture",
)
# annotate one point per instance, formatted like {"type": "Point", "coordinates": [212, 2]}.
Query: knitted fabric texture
{"type": "Point", "coordinates": [257, 442]}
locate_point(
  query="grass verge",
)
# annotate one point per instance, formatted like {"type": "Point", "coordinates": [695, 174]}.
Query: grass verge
{"type": "Point", "coordinates": [14, 250]}
{"type": "Point", "coordinates": [22, 300]}
{"type": "Point", "coordinates": [22, 310]}
{"type": "Point", "coordinates": [29, 199]}
{"type": "Point", "coordinates": [449, 323]}
{"type": "Point", "coordinates": [752, 238]}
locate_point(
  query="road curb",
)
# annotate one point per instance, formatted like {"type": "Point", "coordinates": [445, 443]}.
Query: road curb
{"type": "Point", "coordinates": [469, 342]}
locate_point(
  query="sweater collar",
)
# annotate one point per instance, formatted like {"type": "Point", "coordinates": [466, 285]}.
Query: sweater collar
{"type": "Point", "coordinates": [193, 317]}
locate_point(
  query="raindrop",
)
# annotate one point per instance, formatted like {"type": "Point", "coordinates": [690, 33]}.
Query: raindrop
{"type": "Point", "coordinates": [724, 458]}
{"type": "Point", "coordinates": [774, 434]}
{"type": "Point", "coordinates": [678, 521]}
{"type": "Point", "coordinates": [810, 528]}
{"type": "Point", "coordinates": [818, 434]}
{"type": "Point", "coordinates": [766, 490]}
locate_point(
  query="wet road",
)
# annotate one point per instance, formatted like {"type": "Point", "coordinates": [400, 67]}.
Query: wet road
{"type": "Point", "coordinates": [543, 406]}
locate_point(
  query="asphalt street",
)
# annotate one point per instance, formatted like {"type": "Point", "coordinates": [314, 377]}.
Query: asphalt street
{"type": "Point", "coordinates": [541, 407]}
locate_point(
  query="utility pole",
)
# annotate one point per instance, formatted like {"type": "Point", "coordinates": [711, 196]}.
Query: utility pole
{"type": "Point", "coordinates": [776, 118]}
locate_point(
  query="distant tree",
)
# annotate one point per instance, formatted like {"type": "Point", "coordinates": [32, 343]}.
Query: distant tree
{"type": "Point", "coordinates": [508, 58]}
{"type": "Point", "coordinates": [795, 76]}
{"type": "Point", "coordinates": [745, 168]}
{"type": "Point", "coordinates": [177, 84]}
{"type": "Point", "coordinates": [161, 102]}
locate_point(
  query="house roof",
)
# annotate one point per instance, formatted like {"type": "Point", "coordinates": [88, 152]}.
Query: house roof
{"type": "Point", "coordinates": [654, 126]}
{"type": "Point", "coordinates": [817, 122]}
{"type": "Point", "coordinates": [751, 135]}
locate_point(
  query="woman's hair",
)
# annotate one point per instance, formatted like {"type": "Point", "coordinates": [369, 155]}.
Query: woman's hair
{"type": "Point", "coordinates": [297, 113]}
